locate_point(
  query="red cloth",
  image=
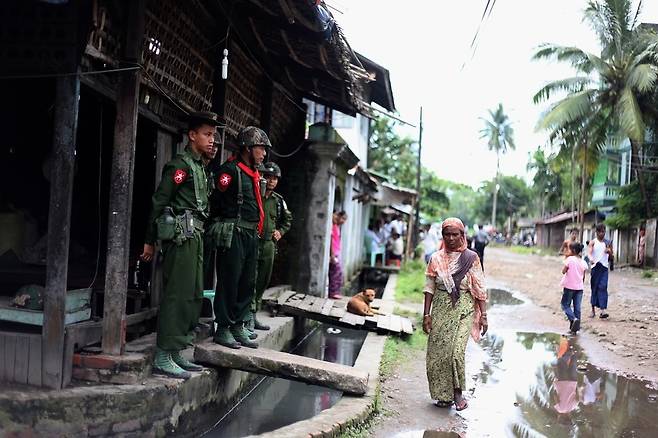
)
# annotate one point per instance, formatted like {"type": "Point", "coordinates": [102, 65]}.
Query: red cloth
{"type": "Point", "coordinates": [255, 177]}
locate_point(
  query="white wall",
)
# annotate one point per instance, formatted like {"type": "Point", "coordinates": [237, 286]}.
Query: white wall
{"type": "Point", "coordinates": [353, 231]}
{"type": "Point", "coordinates": [354, 131]}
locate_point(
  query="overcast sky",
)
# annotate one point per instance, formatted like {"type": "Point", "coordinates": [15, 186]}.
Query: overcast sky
{"type": "Point", "coordinates": [424, 44]}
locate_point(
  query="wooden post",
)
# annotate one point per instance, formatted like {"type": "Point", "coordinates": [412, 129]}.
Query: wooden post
{"type": "Point", "coordinates": [121, 186]}
{"type": "Point", "coordinates": [67, 94]}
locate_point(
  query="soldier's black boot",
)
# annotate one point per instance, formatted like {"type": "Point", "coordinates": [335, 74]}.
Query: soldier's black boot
{"type": "Point", "coordinates": [259, 325]}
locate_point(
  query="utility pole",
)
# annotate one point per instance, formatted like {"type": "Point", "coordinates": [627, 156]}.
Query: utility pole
{"type": "Point", "coordinates": [420, 147]}
{"type": "Point", "coordinates": [495, 193]}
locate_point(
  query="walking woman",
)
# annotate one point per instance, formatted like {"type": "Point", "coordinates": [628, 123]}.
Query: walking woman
{"type": "Point", "coordinates": [455, 306]}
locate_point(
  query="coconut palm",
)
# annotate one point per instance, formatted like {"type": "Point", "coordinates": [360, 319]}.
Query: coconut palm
{"type": "Point", "coordinates": [500, 138]}
{"type": "Point", "coordinates": [611, 93]}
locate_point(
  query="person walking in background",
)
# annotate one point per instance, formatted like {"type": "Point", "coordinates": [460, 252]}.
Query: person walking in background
{"type": "Point", "coordinates": [573, 285]}
{"type": "Point", "coordinates": [573, 238]}
{"type": "Point", "coordinates": [480, 241]}
{"type": "Point", "coordinates": [455, 306]}
{"type": "Point", "coordinates": [335, 269]}
{"type": "Point", "coordinates": [600, 255]}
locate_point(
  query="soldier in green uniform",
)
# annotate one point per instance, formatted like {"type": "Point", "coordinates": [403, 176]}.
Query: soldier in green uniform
{"type": "Point", "coordinates": [278, 220]}
{"type": "Point", "coordinates": [237, 212]}
{"type": "Point", "coordinates": [180, 207]}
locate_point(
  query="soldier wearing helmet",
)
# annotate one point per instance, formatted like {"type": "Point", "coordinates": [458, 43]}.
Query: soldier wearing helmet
{"type": "Point", "coordinates": [237, 222]}
{"type": "Point", "coordinates": [277, 222]}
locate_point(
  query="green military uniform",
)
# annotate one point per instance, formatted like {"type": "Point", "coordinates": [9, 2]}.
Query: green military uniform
{"type": "Point", "coordinates": [183, 188]}
{"type": "Point", "coordinates": [212, 169]}
{"type": "Point", "coordinates": [236, 226]}
{"type": "Point", "coordinates": [276, 217]}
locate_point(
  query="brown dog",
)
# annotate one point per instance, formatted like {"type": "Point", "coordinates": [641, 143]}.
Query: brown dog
{"type": "Point", "coordinates": [359, 304]}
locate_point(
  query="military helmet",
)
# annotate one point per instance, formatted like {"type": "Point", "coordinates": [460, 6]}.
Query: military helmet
{"type": "Point", "coordinates": [253, 136]}
{"type": "Point", "coordinates": [29, 296]}
{"type": "Point", "coordinates": [271, 168]}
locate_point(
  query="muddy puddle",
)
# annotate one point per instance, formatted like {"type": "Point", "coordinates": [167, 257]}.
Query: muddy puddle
{"type": "Point", "coordinates": [502, 297]}
{"type": "Point", "coordinates": [274, 403]}
{"type": "Point", "coordinates": [540, 384]}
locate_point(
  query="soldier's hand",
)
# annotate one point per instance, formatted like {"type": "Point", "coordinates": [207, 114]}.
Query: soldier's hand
{"type": "Point", "coordinates": [276, 235]}
{"type": "Point", "coordinates": [147, 255]}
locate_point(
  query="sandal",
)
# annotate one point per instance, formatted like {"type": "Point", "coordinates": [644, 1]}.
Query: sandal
{"type": "Point", "coordinates": [603, 315]}
{"type": "Point", "coordinates": [443, 404]}
{"type": "Point", "coordinates": [461, 405]}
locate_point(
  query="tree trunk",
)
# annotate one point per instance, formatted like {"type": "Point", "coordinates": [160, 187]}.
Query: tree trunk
{"type": "Point", "coordinates": [495, 193]}
{"type": "Point", "coordinates": [583, 182]}
{"type": "Point", "coordinates": [635, 164]}
{"type": "Point", "coordinates": [573, 182]}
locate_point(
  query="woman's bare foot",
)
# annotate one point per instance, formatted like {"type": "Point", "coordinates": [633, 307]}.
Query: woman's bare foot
{"type": "Point", "coordinates": [460, 401]}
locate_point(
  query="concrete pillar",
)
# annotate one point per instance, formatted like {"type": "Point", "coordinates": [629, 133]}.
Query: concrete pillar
{"type": "Point", "coordinates": [318, 225]}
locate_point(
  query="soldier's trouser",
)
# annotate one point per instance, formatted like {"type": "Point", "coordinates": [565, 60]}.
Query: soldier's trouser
{"type": "Point", "coordinates": [180, 306]}
{"type": "Point", "coordinates": [236, 277]}
{"type": "Point", "coordinates": [266, 252]}
{"type": "Point", "coordinates": [208, 265]}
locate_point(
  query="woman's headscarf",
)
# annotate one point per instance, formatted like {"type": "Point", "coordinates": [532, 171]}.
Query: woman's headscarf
{"type": "Point", "coordinates": [457, 223]}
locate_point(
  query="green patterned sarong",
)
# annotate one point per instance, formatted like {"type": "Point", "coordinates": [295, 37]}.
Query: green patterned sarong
{"type": "Point", "coordinates": [446, 344]}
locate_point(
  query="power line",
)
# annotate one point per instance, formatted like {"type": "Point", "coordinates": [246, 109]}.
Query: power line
{"type": "Point", "coordinates": [67, 74]}
{"type": "Point", "coordinates": [476, 41]}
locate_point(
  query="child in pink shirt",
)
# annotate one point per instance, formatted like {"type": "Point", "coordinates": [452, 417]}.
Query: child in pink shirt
{"type": "Point", "coordinates": [573, 282]}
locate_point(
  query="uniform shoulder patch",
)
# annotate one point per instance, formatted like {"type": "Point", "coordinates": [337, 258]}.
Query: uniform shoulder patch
{"type": "Point", "coordinates": [179, 176]}
{"type": "Point", "coordinates": [224, 181]}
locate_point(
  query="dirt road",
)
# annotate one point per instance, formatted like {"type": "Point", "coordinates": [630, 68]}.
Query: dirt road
{"type": "Point", "coordinates": [627, 342]}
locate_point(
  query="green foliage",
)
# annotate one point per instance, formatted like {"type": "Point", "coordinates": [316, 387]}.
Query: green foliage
{"type": "Point", "coordinates": [392, 155]}
{"type": "Point", "coordinates": [411, 281]}
{"type": "Point", "coordinates": [514, 198]}
{"type": "Point", "coordinates": [647, 274]}
{"type": "Point", "coordinates": [614, 94]}
{"type": "Point", "coordinates": [630, 208]}
{"type": "Point", "coordinates": [547, 183]}
{"type": "Point", "coordinates": [498, 131]}
{"type": "Point", "coordinates": [397, 158]}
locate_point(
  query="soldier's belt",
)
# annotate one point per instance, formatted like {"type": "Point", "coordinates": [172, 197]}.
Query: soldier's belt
{"type": "Point", "coordinates": [241, 223]}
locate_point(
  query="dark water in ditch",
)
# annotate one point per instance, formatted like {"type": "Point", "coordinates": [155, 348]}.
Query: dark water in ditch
{"type": "Point", "coordinates": [275, 403]}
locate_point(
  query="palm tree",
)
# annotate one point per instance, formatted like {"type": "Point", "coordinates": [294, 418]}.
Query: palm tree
{"type": "Point", "coordinates": [610, 95]}
{"type": "Point", "coordinates": [500, 138]}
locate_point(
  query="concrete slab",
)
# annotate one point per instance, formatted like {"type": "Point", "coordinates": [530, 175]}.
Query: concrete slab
{"type": "Point", "coordinates": [288, 366]}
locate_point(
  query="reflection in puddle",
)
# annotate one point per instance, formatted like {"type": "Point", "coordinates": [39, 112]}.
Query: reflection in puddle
{"type": "Point", "coordinates": [502, 296]}
{"type": "Point", "coordinates": [532, 386]}
{"type": "Point", "coordinates": [427, 434]}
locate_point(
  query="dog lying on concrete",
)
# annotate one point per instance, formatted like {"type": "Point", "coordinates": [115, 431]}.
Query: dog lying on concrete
{"type": "Point", "coordinates": [359, 304]}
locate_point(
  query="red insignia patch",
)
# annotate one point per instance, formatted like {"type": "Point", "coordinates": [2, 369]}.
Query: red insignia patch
{"type": "Point", "coordinates": [224, 181]}
{"type": "Point", "coordinates": [179, 176]}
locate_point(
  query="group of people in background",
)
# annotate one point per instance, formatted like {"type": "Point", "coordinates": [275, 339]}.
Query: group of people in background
{"type": "Point", "coordinates": [599, 261]}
